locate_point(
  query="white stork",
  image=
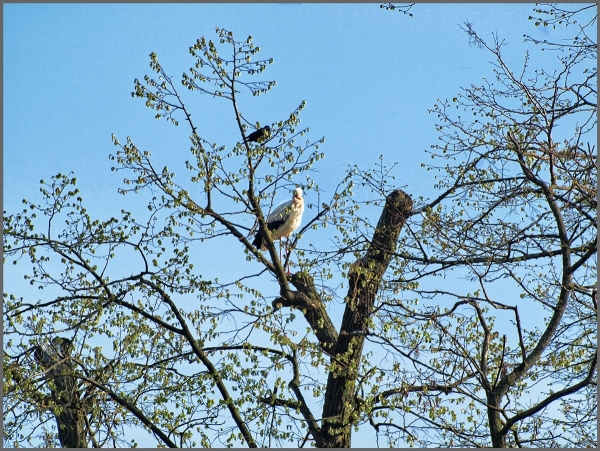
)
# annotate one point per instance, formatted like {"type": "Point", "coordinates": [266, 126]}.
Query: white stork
{"type": "Point", "coordinates": [283, 221]}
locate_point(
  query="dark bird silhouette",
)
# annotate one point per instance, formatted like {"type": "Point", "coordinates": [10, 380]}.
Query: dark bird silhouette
{"type": "Point", "coordinates": [261, 134]}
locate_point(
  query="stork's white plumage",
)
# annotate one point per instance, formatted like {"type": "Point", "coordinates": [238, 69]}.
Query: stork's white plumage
{"type": "Point", "coordinates": [284, 220]}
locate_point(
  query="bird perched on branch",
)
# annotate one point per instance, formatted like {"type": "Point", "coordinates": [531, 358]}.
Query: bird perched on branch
{"type": "Point", "coordinates": [259, 134]}
{"type": "Point", "coordinates": [283, 221]}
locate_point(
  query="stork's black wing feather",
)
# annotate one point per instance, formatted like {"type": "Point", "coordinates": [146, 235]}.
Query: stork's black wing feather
{"type": "Point", "coordinates": [273, 225]}
{"type": "Point", "coordinates": [257, 243]}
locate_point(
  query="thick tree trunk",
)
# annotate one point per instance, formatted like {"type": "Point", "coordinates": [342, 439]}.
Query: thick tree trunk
{"type": "Point", "coordinates": [365, 277]}
{"type": "Point", "coordinates": [65, 398]}
{"type": "Point", "coordinates": [308, 300]}
{"type": "Point", "coordinates": [339, 410]}
{"type": "Point", "coordinates": [498, 438]}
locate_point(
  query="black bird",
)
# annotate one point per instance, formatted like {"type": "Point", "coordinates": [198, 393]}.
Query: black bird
{"type": "Point", "coordinates": [261, 133]}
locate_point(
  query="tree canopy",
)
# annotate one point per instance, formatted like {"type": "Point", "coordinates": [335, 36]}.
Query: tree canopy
{"type": "Point", "coordinates": [468, 319]}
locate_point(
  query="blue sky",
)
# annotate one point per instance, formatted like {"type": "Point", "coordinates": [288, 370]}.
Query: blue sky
{"type": "Point", "coordinates": [368, 77]}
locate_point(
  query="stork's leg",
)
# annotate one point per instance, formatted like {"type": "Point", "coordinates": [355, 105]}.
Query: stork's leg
{"type": "Point", "coordinates": [287, 248]}
{"type": "Point", "coordinates": [280, 243]}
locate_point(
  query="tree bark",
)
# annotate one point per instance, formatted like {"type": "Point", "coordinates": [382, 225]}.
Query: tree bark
{"type": "Point", "coordinates": [66, 402]}
{"type": "Point", "coordinates": [308, 300]}
{"type": "Point", "coordinates": [496, 424]}
{"type": "Point", "coordinates": [365, 277]}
